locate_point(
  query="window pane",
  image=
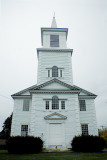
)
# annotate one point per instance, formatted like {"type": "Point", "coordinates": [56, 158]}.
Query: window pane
{"type": "Point", "coordinates": [55, 102]}
{"type": "Point", "coordinates": [47, 105]}
{"type": "Point", "coordinates": [84, 129]}
{"type": "Point", "coordinates": [48, 73]}
{"type": "Point", "coordinates": [54, 40]}
{"type": "Point", "coordinates": [82, 105]}
{"type": "Point", "coordinates": [62, 104]}
{"type": "Point", "coordinates": [54, 71]}
{"type": "Point", "coordinates": [24, 130]}
{"type": "Point", "coordinates": [26, 105]}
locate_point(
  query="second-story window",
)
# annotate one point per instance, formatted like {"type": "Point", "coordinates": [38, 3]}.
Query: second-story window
{"type": "Point", "coordinates": [54, 40]}
{"type": "Point", "coordinates": [62, 104]}
{"type": "Point", "coordinates": [82, 105]}
{"type": "Point", "coordinates": [55, 102]}
{"type": "Point", "coordinates": [54, 71]}
{"type": "Point", "coordinates": [47, 105]}
{"type": "Point", "coordinates": [26, 105]}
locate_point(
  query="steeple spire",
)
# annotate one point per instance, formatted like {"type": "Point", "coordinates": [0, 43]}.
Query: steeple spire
{"type": "Point", "coordinates": [54, 25]}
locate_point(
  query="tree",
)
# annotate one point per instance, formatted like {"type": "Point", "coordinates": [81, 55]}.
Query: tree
{"type": "Point", "coordinates": [5, 133]}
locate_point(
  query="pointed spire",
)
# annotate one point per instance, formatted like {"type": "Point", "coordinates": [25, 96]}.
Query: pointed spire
{"type": "Point", "coordinates": [54, 25]}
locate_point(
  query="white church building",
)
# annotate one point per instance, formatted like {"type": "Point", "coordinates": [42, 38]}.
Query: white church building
{"type": "Point", "coordinates": [54, 109]}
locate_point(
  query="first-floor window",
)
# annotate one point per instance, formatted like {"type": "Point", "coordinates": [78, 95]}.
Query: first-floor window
{"type": "Point", "coordinates": [47, 105]}
{"type": "Point", "coordinates": [24, 130]}
{"type": "Point", "coordinates": [82, 105]}
{"type": "Point", "coordinates": [62, 104]}
{"type": "Point", "coordinates": [84, 128]}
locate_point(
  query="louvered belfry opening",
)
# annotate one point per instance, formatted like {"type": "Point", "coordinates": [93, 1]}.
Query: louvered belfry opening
{"type": "Point", "coordinates": [54, 40]}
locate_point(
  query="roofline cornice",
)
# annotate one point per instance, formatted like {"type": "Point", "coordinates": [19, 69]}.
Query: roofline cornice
{"type": "Point", "coordinates": [87, 97]}
{"type": "Point", "coordinates": [54, 50]}
{"type": "Point", "coordinates": [22, 96]}
{"type": "Point", "coordinates": [54, 91]}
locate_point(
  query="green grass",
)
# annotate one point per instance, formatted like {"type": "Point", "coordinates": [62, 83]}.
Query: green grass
{"type": "Point", "coordinates": [54, 156]}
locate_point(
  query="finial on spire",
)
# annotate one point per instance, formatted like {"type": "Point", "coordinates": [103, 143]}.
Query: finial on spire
{"type": "Point", "coordinates": [54, 14]}
{"type": "Point", "coordinates": [54, 25]}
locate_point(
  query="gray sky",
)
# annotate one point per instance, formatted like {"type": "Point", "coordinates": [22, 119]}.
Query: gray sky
{"type": "Point", "coordinates": [20, 22]}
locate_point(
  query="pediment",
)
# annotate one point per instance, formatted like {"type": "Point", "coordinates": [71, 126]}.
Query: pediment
{"type": "Point", "coordinates": [55, 116]}
{"type": "Point", "coordinates": [55, 84]}
{"type": "Point", "coordinates": [25, 93]}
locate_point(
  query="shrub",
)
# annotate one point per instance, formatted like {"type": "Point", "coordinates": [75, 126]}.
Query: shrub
{"type": "Point", "coordinates": [21, 145]}
{"type": "Point", "coordinates": [105, 142]}
{"type": "Point", "coordinates": [87, 143]}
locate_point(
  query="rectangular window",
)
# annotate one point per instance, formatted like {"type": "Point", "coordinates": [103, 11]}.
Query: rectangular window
{"type": "Point", "coordinates": [24, 130]}
{"type": "Point", "coordinates": [47, 105]}
{"type": "Point", "coordinates": [48, 73]}
{"type": "Point", "coordinates": [62, 104]}
{"type": "Point", "coordinates": [55, 102]}
{"type": "Point", "coordinates": [54, 40]}
{"type": "Point", "coordinates": [84, 128]}
{"type": "Point", "coordinates": [60, 73]}
{"type": "Point", "coordinates": [82, 105]}
{"type": "Point", "coordinates": [26, 105]}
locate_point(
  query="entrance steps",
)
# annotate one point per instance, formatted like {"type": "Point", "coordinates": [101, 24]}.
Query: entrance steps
{"type": "Point", "coordinates": [56, 149]}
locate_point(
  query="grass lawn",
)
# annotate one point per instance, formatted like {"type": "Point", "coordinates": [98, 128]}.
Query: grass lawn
{"type": "Point", "coordinates": [54, 156]}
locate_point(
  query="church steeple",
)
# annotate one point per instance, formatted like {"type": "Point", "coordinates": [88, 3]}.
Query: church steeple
{"type": "Point", "coordinates": [54, 25]}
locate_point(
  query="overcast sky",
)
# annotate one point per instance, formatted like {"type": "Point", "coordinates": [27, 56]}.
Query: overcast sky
{"type": "Point", "coordinates": [20, 22]}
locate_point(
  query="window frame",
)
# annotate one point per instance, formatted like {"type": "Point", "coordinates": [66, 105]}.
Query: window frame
{"type": "Point", "coordinates": [26, 104]}
{"type": "Point", "coordinates": [63, 105]}
{"type": "Point", "coordinates": [84, 128]}
{"type": "Point", "coordinates": [60, 72]}
{"type": "Point", "coordinates": [48, 73]}
{"type": "Point", "coordinates": [55, 103]}
{"type": "Point", "coordinates": [47, 105]}
{"type": "Point", "coordinates": [82, 104]}
{"type": "Point", "coordinates": [54, 40]}
{"type": "Point", "coordinates": [24, 130]}
{"type": "Point", "coordinates": [54, 71]}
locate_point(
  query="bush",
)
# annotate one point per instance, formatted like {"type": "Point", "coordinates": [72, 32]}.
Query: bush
{"type": "Point", "coordinates": [87, 143]}
{"type": "Point", "coordinates": [21, 145]}
{"type": "Point", "coordinates": [105, 142]}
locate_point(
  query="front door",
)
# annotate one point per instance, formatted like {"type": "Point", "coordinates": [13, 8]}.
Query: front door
{"type": "Point", "coordinates": [55, 134]}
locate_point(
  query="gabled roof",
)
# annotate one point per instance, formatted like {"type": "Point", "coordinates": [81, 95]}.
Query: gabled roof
{"type": "Point", "coordinates": [54, 80]}
{"type": "Point", "coordinates": [23, 91]}
{"type": "Point", "coordinates": [84, 91]}
{"type": "Point", "coordinates": [57, 81]}
{"type": "Point", "coordinates": [55, 116]}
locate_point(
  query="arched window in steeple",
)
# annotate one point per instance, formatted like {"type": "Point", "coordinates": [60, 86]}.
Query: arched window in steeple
{"type": "Point", "coordinates": [54, 71]}
{"type": "Point", "coordinates": [55, 102]}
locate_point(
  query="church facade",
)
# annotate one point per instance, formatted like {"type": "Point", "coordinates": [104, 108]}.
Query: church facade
{"type": "Point", "coordinates": [54, 109]}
